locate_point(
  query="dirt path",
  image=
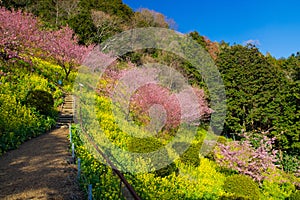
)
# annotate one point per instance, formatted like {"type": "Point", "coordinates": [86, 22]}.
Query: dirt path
{"type": "Point", "coordinates": [40, 169]}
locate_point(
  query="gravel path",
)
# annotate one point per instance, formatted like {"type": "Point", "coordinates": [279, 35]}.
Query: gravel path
{"type": "Point", "coordinates": [40, 169]}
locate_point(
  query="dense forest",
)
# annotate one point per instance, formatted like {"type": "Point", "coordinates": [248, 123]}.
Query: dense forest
{"type": "Point", "coordinates": [257, 156]}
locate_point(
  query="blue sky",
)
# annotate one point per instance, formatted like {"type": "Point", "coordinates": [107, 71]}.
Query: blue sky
{"type": "Point", "coordinates": [273, 25]}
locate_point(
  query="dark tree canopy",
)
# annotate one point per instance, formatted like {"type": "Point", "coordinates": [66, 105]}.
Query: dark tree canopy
{"type": "Point", "coordinates": [260, 95]}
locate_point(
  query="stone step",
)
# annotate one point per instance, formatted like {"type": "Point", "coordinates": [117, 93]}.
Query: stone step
{"type": "Point", "coordinates": [65, 118]}
{"type": "Point", "coordinates": [58, 125]}
{"type": "Point", "coordinates": [66, 114]}
{"type": "Point", "coordinates": [65, 121]}
{"type": "Point", "coordinates": [68, 106]}
{"type": "Point", "coordinates": [67, 111]}
{"type": "Point", "coordinates": [68, 102]}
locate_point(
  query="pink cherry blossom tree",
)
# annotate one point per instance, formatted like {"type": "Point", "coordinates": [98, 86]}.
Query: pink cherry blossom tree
{"type": "Point", "coordinates": [62, 46]}
{"type": "Point", "coordinates": [151, 103]}
{"type": "Point", "coordinates": [22, 37]}
{"type": "Point", "coordinates": [243, 157]}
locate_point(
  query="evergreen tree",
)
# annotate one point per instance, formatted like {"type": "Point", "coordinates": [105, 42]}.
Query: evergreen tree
{"type": "Point", "coordinates": [252, 85]}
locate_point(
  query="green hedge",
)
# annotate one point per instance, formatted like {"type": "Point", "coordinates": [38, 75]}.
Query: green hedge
{"type": "Point", "coordinates": [41, 100]}
{"type": "Point", "coordinates": [241, 187]}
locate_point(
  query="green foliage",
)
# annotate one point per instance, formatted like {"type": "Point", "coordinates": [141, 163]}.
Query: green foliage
{"type": "Point", "coordinates": [41, 100]}
{"type": "Point", "coordinates": [150, 18]}
{"type": "Point", "coordinates": [202, 182]}
{"type": "Point", "coordinates": [198, 38]}
{"type": "Point", "coordinates": [83, 26]}
{"type": "Point", "coordinates": [251, 85]}
{"type": "Point", "coordinates": [205, 181]}
{"type": "Point", "coordinates": [262, 93]}
{"type": "Point", "coordinates": [53, 73]}
{"type": "Point", "coordinates": [167, 170]}
{"type": "Point", "coordinates": [113, 7]}
{"type": "Point", "coordinates": [191, 155]}
{"type": "Point", "coordinates": [290, 163]}
{"type": "Point", "coordinates": [288, 122]}
{"type": "Point", "coordinates": [242, 187]}
{"type": "Point", "coordinates": [275, 190]}
{"type": "Point", "coordinates": [210, 155]}
{"type": "Point", "coordinates": [295, 195]}
{"type": "Point", "coordinates": [174, 181]}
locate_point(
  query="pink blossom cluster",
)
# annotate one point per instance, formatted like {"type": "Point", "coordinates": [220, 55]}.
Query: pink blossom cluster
{"type": "Point", "coordinates": [18, 31]}
{"type": "Point", "coordinates": [194, 105]}
{"type": "Point", "coordinates": [243, 157]}
{"type": "Point", "coordinates": [151, 94]}
{"type": "Point", "coordinates": [63, 46]}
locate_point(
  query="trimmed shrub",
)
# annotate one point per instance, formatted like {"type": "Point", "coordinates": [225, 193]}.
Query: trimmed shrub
{"type": "Point", "coordinates": [167, 170]}
{"type": "Point", "coordinates": [242, 187]}
{"type": "Point", "coordinates": [222, 140]}
{"type": "Point", "coordinates": [191, 155]}
{"type": "Point", "coordinates": [144, 145]}
{"type": "Point", "coordinates": [147, 145]}
{"type": "Point", "coordinates": [41, 100]}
